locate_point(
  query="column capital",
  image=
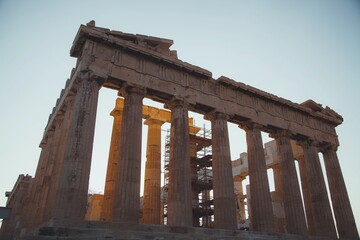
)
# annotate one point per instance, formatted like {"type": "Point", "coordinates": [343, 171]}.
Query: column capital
{"type": "Point", "coordinates": [176, 102]}
{"type": "Point", "coordinates": [307, 142]}
{"type": "Point", "coordinates": [69, 100]}
{"type": "Point", "coordinates": [116, 113]}
{"type": "Point", "coordinates": [248, 125]}
{"type": "Point", "coordinates": [324, 147]}
{"type": "Point", "coordinates": [58, 120]}
{"type": "Point", "coordinates": [152, 121]}
{"type": "Point", "coordinates": [44, 141]}
{"type": "Point", "coordinates": [87, 76]}
{"type": "Point", "coordinates": [50, 132]}
{"type": "Point", "coordinates": [214, 115]}
{"type": "Point", "coordinates": [127, 89]}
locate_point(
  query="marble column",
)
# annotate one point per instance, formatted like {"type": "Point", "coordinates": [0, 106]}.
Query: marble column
{"type": "Point", "coordinates": [111, 173]}
{"type": "Point", "coordinates": [306, 197]}
{"type": "Point", "coordinates": [152, 185]}
{"type": "Point", "coordinates": [71, 198]}
{"type": "Point", "coordinates": [54, 184]}
{"type": "Point", "coordinates": [278, 181]}
{"type": "Point", "coordinates": [344, 216]}
{"type": "Point", "coordinates": [278, 200]}
{"type": "Point", "coordinates": [127, 186]}
{"type": "Point", "coordinates": [262, 217]}
{"type": "Point", "coordinates": [194, 176]}
{"type": "Point", "coordinates": [35, 194]}
{"type": "Point", "coordinates": [239, 192]}
{"type": "Point", "coordinates": [48, 177]}
{"type": "Point", "coordinates": [179, 212]}
{"type": "Point", "coordinates": [294, 213]}
{"type": "Point", "coordinates": [223, 184]}
{"type": "Point", "coordinates": [320, 205]}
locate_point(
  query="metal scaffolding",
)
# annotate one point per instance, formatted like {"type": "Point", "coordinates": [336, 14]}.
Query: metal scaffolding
{"type": "Point", "coordinates": [201, 181]}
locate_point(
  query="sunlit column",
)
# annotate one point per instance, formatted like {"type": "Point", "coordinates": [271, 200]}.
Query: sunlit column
{"type": "Point", "coordinates": [320, 205]}
{"type": "Point", "coordinates": [179, 195]}
{"type": "Point", "coordinates": [241, 218]}
{"type": "Point", "coordinates": [223, 184]}
{"type": "Point", "coordinates": [152, 185]}
{"type": "Point", "coordinates": [109, 190]}
{"type": "Point", "coordinates": [294, 213]}
{"type": "Point", "coordinates": [127, 186]}
{"type": "Point", "coordinates": [71, 198]}
{"type": "Point", "coordinates": [344, 216]}
{"type": "Point", "coordinates": [262, 217]}
{"type": "Point", "coordinates": [278, 182]}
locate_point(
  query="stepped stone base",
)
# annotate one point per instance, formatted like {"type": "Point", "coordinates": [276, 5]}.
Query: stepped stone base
{"type": "Point", "coordinates": [91, 230]}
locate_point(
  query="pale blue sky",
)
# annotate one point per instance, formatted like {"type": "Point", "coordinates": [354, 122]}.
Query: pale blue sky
{"type": "Point", "coordinates": [294, 49]}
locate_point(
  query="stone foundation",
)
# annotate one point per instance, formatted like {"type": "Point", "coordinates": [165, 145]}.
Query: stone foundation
{"type": "Point", "coordinates": [90, 230]}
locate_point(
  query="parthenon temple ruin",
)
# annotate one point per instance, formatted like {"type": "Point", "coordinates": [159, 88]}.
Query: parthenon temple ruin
{"type": "Point", "coordinates": [196, 192]}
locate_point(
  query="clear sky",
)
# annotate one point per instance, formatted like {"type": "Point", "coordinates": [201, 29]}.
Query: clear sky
{"type": "Point", "coordinates": [297, 50]}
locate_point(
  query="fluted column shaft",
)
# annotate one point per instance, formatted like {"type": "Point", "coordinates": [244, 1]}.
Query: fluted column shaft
{"type": "Point", "coordinates": [179, 195]}
{"type": "Point", "coordinates": [111, 173]}
{"type": "Point", "coordinates": [223, 184]}
{"type": "Point", "coordinates": [306, 196]}
{"type": "Point", "coordinates": [71, 198]}
{"type": "Point", "coordinates": [127, 186]}
{"type": "Point", "coordinates": [278, 181]}
{"type": "Point", "coordinates": [278, 198]}
{"type": "Point", "coordinates": [240, 198]}
{"type": "Point", "coordinates": [294, 213]}
{"type": "Point", "coordinates": [35, 194]}
{"type": "Point", "coordinates": [48, 177]}
{"type": "Point", "coordinates": [344, 216]}
{"type": "Point", "coordinates": [262, 217]}
{"type": "Point", "coordinates": [320, 205]}
{"type": "Point", "coordinates": [152, 185]}
{"type": "Point", "coordinates": [54, 184]}
{"type": "Point", "coordinates": [194, 176]}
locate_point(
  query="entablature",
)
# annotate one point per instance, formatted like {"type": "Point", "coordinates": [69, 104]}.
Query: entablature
{"type": "Point", "coordinates": [121, 59]}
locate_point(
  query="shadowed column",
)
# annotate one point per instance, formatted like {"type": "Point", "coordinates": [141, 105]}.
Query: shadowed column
{"type": "Point", "coordinates": [54, 185]}
{"type": "Point", "coordinates": [127, 186]}
{"type": "Point", "coordinates": [294, 213]}
{"type": "Point", "coordinates": [151, 210]}
{"type": "Point", "coordinates": [278, 199]}
{"type": "Point", "coordinates": [179, 196]}
{"type": "Point", "coordinates": [344, 216]}
{"type": "Point", "coordinates": [320, 206]}
{"type": "Point", "coordinates": [224, 195]}
{"type": "Point", "coordinates": [72, 193]}
{"type": "Point", "coordinates": [194, 173]}
{"type": "Point", "coordinates": [262, 217]}
{"type": "Point", "coordinates": [306, 196]}
{"type": "Point", "coordinates": [49, 176]}
{"type": "Point", "coordinates": [108, 202]}
{"type": "Point", "coordinates": [35, 194]}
